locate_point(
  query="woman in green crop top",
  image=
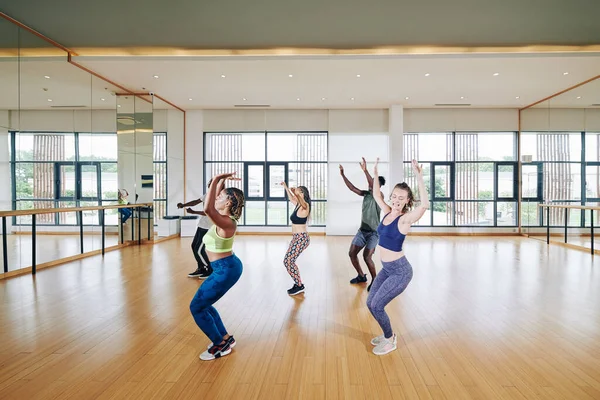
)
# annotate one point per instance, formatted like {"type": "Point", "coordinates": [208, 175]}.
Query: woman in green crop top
{"type": "Point", "coordinates": [224, 208]}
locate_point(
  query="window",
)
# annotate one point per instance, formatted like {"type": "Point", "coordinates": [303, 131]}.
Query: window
{"type": "Point", "coordinates": [555, 171]}
{"type": "Point", "coordinates": [471, 176]}
{"type": "Point", "coordinates": [160, 176]}
{"type": "Point", "coordinates": [73, 170]}
{"type": "Point", "coordinates": [263, 160]}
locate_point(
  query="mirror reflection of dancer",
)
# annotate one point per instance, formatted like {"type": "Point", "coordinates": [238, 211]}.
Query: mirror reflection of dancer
{"type": "Point", "coordinates": [125, 212]}
{"type": "Point", "coordinates": [300, 239]}
{"type": "Point", "coordinates": [224, 208]}
{"type": "Point", "coordinates": [203, 270]}
{"type": "Point", "coordinates": [367, 237]}
{"type": "Point", "coordinates": [397, 271]}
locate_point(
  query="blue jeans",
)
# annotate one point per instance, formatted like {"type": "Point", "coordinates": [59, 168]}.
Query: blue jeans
{"type": "Point", "coordinates": [226, 272]}
{"type": "Point", "coordinates": [125, 214]}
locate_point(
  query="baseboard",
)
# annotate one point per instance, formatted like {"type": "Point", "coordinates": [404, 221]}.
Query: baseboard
{"type": "Point", "coordinates": [165, 238]}
{"type": "Point", "coordinates": [48, 233]}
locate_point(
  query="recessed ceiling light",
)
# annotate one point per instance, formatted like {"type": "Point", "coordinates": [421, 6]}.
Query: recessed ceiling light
{"type": "Point", "coordinates": [291, 76]}
{"type": "Point", "coordinates": [244, 99]}
{"type": "Point", "coordinates": [517, 97]}
{"type": "Point", "coordinates": [358, 75]}
{"type": "Point", "coordinates": [565, 73]}
{"type": "Point", "coordinates": [322, 98]}
{"type": "Point", "coordinates": [46, 76]}
{"type": "Point", "coordinates": [352, 98]}
{"type": "Point", "coordinates": [406, 98]}
{"type": "Point", "coordinates": [103, 99]}
{"type": "Point", "coordinates": [298, 99]}
{"type": "Point", "coordinates": [427, 74]}
{"type": "Point", "coordinates": [578, 97]}
{"type": "Point", "coordinates": [222, 76]}
{"type": "Point", "coordinates": [462, 97]}
{"type": "Point", "coordinates": [496, 73]}
{"type": "Point", "coordinates": [190, 99]}
{"type": "Point", "coordinates": [49, 99]}
{"type": "Point", "coordinates": [155, 76]}
{"type": "Point", "coordinates": [119, 106]}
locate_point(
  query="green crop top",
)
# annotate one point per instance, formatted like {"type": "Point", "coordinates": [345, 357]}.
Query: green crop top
{"type": "Point", "coordinates": [215, 243]}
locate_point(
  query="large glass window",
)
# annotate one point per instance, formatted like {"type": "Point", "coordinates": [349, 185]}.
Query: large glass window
{"type": "Point", "coordinates": [471, 176]}
{"type": "Point", "coordinates": [263, 160]}
{"type": "Point", "coordinates": [74, 169]}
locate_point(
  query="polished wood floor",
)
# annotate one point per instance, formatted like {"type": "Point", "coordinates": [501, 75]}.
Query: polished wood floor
{"type": "Point", "coordinates": [483, 318]}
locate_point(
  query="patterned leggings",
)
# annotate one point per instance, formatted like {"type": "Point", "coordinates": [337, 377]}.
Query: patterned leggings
{"type": "Point", "coordinates": [300, 241]}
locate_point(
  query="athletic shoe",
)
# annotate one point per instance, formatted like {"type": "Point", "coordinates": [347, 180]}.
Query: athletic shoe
{"type": "Point", "coordinates": [369, 287]}
{"type": "Point", "coordinates": [196, 273]}
{"type": "Point", "coordinates": [204, 274]}
{"type": "Point", "coordinates": [386, 346]}
{"type": "Point", "coordinates": [216, 351]}
{"type": "Point", "coordinates": [231, 341]}
{"type": "Point", "coordinates": [359, 279]}
{"type": "Point", "coordinates": [296, 290]}
{"type": "Point", "coordinates": [376, 341]}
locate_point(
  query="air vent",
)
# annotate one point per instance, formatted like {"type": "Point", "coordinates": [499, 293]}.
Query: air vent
{"type": "Point", "coordinates": [452, 105]}
{"type": "Point", "coordinates": [252, 105]}
{"type": "Point", "coordinates": [68, 106]}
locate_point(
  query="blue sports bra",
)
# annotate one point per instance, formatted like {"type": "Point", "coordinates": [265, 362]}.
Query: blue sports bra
{"type": "Point", "coordinates": [389, 236]}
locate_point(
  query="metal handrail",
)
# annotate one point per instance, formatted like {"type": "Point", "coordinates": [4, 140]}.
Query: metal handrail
{"type": "Point", "coordinates": [567, 208]}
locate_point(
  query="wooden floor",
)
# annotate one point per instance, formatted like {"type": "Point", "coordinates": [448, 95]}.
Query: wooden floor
{"type": "Point", "coordinates": [483, 318]}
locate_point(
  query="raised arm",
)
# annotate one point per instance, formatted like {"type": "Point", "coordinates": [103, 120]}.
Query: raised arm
{"type": "Point", "coordinates": [363, 166]}
{"type": "Point", "coordinates": [349, 184]}
{"type": "Point", "coordinates": [377, 191]}
{"type": "Point", "coordinates": [418, 212]}
{"type": "Point", "coordinates": [222, 221]}
{"type": "Point", "coordinates": [192, 211]}
{"type": "Point", "coordinates": [189, 203]}
{"type": "Point", "coordinates": [291, 196]}
{"type": "Point", "coordinates": [300, 199]}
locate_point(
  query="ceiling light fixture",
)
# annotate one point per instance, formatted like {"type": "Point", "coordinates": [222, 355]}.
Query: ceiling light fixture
{"type": "Point", "coordinates": [49, 99]}
{"type": "Point", "coordinates": [103, 99]}
{"type": "Point", "coordinates": [155, 76]}
{"type": "Point", "coordinates": [352, 98]}
{"type": "Point", "coordinates": [358, 75]}
{"type": "Point", "coordinates": [190, 99]}
{"type": "Point", "coordinates": [578, 97]}
{"type": "Point", "coordinates": [298, 99]}
{"type": "Point", "coordinates": [462, 97]}
{"type": "Point", "coordinates": [496, 73]}
{"type": "Point", "coordinates": [46, 76]}
{"type": "Point", "coordinates": [427, 74]}
{"type": "Point", "coordinates": [322, 98]}
{"type": "Point", "coordinates": [244, 99]}
{"type": "Point", "coordinates": [517, 97]}
{"type": "Point", "coordinates": [406, 98]}
{"type": "Point", "coordinates": [565, 73]}
{"type": "Point", "coordinates": [222, 76]}
{"type": "Point", "coordinates": [119, 106]}
{"type": "Point", "coordinates": [291, 76]}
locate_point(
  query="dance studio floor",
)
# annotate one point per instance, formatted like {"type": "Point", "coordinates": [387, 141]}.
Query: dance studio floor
{"type": "Point", "coordinates": [483, 318]}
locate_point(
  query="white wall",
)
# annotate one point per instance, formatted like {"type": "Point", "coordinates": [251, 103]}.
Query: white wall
{"type": "Point", "coordinates": [175, 151]}
{"type": "Point", "coordinates": [66, 120]}
{"type": "Point", "coordinates": [447, 120]}
{"type": "Point", "coordinates": [560, 119]}
{"type": "Point", "coordinates": [5, 176]}
{"type": "Point", "coordinates": [194, 156]}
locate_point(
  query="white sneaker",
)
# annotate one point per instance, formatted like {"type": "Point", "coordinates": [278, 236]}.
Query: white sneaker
{"type": "Point", "coordinates": [376, 341]}
{"type": "Point", "coordinates": [386, 346]}
{"type": "Point", "coordinates": [216, 352]}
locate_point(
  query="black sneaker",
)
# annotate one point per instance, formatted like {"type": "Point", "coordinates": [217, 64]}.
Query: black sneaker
{"type": "Point", "coordinates": [230, 340]}
{"type": "Point", "coordinates": [205, 274]}
{"type": "Point", "coordinates": [369, 287]}
{"type": "Point", "coordinates": [196, 273]}
{"type": "Point", "coordinates": [359, 279]}
{"type": "Point", "coordinates": [296, 290]}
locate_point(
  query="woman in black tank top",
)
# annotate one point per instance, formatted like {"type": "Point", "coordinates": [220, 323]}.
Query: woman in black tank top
{"type": "Point", "coordinates": [300, 240]}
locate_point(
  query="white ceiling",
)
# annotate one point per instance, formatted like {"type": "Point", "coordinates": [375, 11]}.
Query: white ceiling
{"type": "Point", "coordinates": [265, 81]}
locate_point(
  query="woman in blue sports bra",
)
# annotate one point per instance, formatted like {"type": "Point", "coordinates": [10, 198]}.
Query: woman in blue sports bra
{"type": "Point", "coordinates": [300, 240]}
{"type": "Point", "coordinates": [397, 271]}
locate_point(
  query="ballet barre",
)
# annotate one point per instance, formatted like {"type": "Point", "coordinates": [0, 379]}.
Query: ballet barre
{"type": "Point", "coordinates": [567, 208]}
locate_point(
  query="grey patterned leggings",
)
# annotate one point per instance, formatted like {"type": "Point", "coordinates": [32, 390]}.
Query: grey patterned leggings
{"type": "Point", "coordinates": [389, 283]}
